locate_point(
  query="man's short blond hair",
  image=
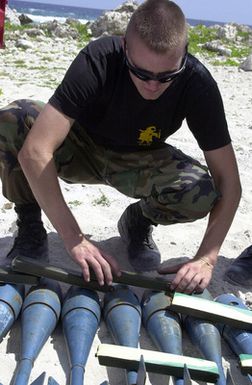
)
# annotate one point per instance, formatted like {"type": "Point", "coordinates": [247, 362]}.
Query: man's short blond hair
{"type": "Point", "coordinates": [161, 25]}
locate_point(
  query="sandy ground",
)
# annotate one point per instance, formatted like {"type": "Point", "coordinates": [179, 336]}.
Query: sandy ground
{"type": "Point", "coordinates": [100, 221]}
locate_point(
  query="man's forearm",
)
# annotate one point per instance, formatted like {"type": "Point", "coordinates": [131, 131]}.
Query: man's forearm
{"type": "Point", "coordinates": [220, 220]}
{"type": "Point", "coordinates": [42, 178]}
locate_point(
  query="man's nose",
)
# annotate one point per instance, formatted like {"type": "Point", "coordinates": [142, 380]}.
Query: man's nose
{"type": "Point", "coordinates": [153, 85]}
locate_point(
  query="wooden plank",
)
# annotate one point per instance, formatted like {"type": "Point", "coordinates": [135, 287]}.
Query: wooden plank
{"type": "Point", "coordinates": [213, 311]}
{"type": "Point", "coordinates": [140, 280]}
{"type": "Point", "coordinates": [7, 275]}
{"type": "Point", "coordinates": [157, 362]}
{"type": "Point", "coordinates": [246, 363]}
{"type": "Point", "coordinates": [43, 269]}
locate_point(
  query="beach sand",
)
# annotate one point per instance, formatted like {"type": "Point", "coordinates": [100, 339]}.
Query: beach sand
{"type": "Point", "coordinates": [43, 68]}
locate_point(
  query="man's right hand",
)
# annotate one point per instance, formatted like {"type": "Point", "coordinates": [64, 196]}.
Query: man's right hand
{"type": "Point", "coordinates": [87, 255]}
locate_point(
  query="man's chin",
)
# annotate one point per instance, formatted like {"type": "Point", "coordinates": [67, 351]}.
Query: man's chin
{"type": "Point", "coordinates": [150, 96]}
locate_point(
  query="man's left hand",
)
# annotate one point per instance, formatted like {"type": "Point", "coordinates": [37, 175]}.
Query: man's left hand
{"type": "Point", "coordinates": [192, 276]}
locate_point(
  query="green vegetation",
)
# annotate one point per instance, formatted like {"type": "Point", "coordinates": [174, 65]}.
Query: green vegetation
{"type": "Point", "coordinates": [74, 203]}
{"type": "Point", "coordinates": [240, 52]}
{"type": "Point", "coordinates": [102, 200]}
{"type": "Point", "coordinates": [47, 58]}
{"type": "Point", "coordinates": [1, 91]}
{"type": "Point", "coordinates": [228, 62]}
{"type": "Point", "coordinates": [81, 29]}
{"type": "Point", "coordinates": [50, 84]}
{"type": "Point", "coordinates": [39, 68]}
{"type": "Point", "coordinates": [8, 27]}
{"type": "Point", "coordinates": [244, 35]}
{"type": "Point", "coordinates": [200, 34]}
{"type": "Point", "coordinates": [20, 63]}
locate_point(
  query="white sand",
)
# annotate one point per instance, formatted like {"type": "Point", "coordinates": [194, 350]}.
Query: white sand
{"type": "Point", "coordinates": [100, 221]}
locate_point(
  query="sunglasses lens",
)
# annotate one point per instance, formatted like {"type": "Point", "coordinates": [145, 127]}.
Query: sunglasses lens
{"type": "Point", "coordinates": [162, 78]}
{"type": "Point", "coordinates": [141, 76]}
{"type": "Point", "coordinates": [166, 79]}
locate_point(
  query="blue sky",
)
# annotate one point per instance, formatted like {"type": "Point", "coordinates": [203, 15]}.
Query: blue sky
{"type": "Point", "coordinates": [239, 11]}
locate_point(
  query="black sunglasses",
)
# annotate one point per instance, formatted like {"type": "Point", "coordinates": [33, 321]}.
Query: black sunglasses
{"type": "Point", "coordinates": [162, 77]}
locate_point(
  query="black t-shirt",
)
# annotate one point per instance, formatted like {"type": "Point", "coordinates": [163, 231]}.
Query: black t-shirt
{"type": "Point", "coordinates": [97, 91]}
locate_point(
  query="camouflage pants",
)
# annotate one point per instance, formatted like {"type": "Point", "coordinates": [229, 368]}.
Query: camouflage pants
{"type": "Point", "coordinates": [172, 187]}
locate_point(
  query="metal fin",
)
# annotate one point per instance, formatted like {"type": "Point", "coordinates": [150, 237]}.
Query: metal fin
{"type": "Point", "coordinates": [40, 379]}
{"type": "Point", "coordinates": [230, 380]}
{"type": "Point", "coordinates": [52, 381]}
{"type": "Point", "coordinates": [187, 377]}
{"type": "Point", "coordinates": [141, 373]}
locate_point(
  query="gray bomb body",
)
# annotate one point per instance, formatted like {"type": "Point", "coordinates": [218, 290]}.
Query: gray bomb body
{"type": "Point", "coordinates": [122, 314]}
{"type": "Point", "coordinates": [206, 337]}
{"type": "Point", "coordinates": [11, 300]}
{"type": "Point", "coordinates": [40, 314]}
{"type": "Point", "coordinates": [162, 325]}
{"type": "Point", "coordinates": [81, 313]}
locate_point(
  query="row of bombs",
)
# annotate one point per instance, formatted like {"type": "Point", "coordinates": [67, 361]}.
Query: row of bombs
{"type": "Point", "coordinates": [123, 313]}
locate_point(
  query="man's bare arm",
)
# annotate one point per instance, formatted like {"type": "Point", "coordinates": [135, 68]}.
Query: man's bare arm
{"type": "Point", "coordinates": [36, 159]}
{"type": "Point", "coordinates": [197, 273]}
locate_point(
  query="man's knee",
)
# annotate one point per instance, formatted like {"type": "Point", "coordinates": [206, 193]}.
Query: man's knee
{"type": "Point", "coordinates": [200, 198]}
{"type": "Point", "coordinates": [16, 119]}
{"type": "Point", "coordinates": [191, 200]}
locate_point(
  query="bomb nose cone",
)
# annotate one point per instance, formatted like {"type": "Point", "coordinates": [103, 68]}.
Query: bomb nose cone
{"type": "Point", "coordinates": [81, 313]}
{"type": "Point", "coordinates": [11, 300]}
{"type": "Point", "coordinates": [122, 315]}
{"type": "Point", "coordinates": [40, 313]}
{"type": "Point", "coordinates": [162, 325]}
{"type": "Point", "coordinates": [239, 340]}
